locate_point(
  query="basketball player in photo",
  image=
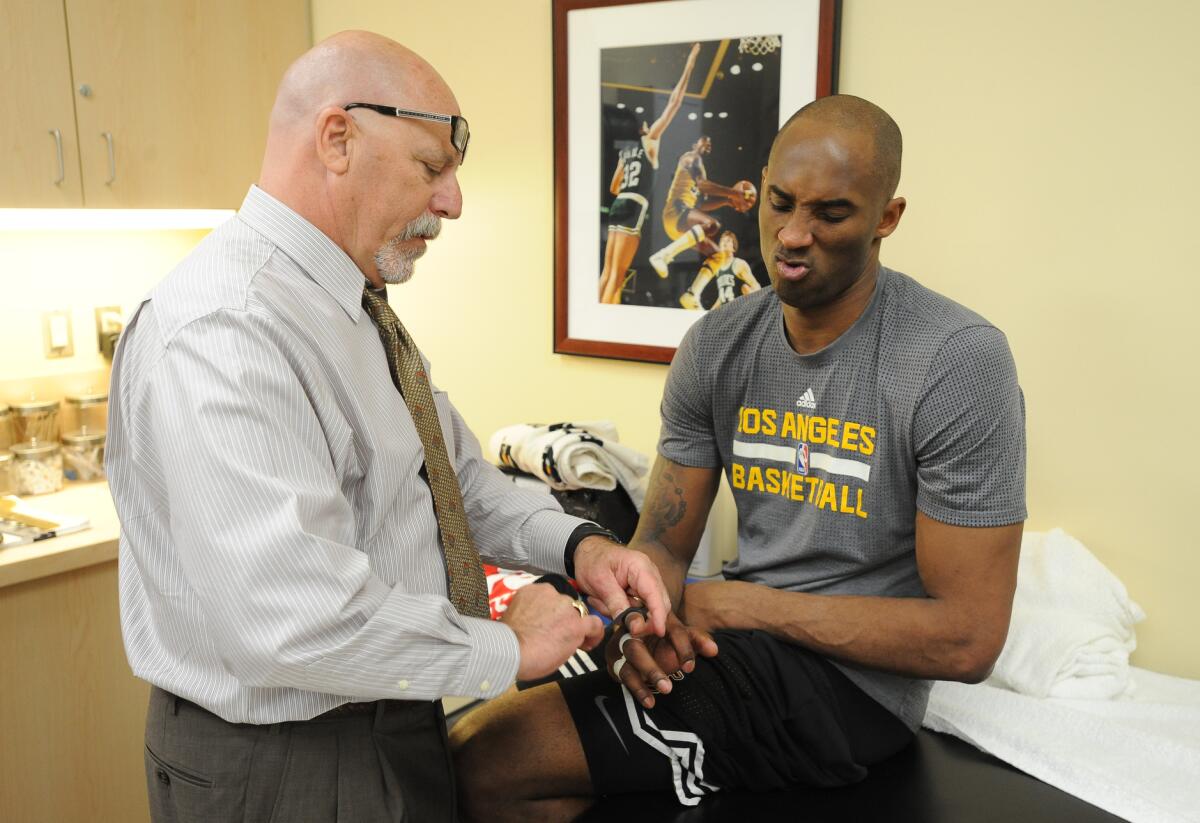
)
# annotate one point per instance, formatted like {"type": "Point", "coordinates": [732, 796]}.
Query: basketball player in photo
{"type": "Point", "coordinates": [733, 276]}
{"type": "Point", "coordinates": [686, 216]}
{"type": "Point", "coordinates": [632, 183]}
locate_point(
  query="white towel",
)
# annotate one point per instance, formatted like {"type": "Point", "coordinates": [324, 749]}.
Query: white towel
{"type": "Point", "coordinates": [1072, 624]}
{"type": "Point", "coordinates": [1137, 757]}
{"type": "Point", "coordinates": [572, 456]}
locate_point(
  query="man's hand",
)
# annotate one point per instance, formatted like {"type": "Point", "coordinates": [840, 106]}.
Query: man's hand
{"type": "Point", "coordinates": [549, 629]}
{"type": "Point", "coordinates": [651, 663]}
{"type": "Point", "coordinates": [610, 573]}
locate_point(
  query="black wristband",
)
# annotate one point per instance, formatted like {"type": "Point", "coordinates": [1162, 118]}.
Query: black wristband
{"type": "Point", "coordinates": [581, 531]}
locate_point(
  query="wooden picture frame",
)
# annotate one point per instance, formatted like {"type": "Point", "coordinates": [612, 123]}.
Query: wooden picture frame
{"type": "Point", "coordinates": [628, 92]}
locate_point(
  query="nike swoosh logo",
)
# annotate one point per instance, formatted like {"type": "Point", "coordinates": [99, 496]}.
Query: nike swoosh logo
{"type": "Point", "coordinates": [600, 698]}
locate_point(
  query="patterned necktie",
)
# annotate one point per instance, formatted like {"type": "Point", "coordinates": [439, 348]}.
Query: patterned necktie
{"type": "Point", "coordinates": [464, 572]}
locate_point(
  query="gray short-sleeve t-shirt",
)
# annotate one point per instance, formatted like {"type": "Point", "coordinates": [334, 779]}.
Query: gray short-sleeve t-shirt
{"type": "Point", "coordinates": [831, 454]}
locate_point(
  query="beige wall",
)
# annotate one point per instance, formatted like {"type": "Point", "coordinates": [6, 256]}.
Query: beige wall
{"type": "Point", "coordinates": [76, 271]}
{"type": "Point", "coordinates": [1049, 169]}
{"type": "Point", "coordinates": [1049, 166]}
{"type": "Point", "coordinates": [1051, 172]}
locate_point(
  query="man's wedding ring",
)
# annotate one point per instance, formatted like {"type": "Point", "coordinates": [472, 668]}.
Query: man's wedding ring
{"type": "Point", "coordinates": [580, 607]}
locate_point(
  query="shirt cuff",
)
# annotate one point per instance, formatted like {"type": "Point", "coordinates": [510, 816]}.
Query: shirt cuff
{"type": "Point", "coordinates": [548, 532]}
{"type": "Point", "coordinates": [493, 666]}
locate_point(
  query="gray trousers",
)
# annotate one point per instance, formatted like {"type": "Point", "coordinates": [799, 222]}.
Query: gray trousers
{"type": "Point", "coordinates": [390, 765]}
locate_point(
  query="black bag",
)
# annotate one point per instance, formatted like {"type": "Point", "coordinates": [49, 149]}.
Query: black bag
{"type": "Point", "coordinates": [611, 509]}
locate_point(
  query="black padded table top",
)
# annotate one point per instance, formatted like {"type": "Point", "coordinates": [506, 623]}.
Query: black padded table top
{"type": "Point", "coordinates": [938, 779]}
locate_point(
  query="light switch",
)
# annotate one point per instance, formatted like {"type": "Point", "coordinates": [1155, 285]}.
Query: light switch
{"type": "Point", "coordinates": [56, 334]}
{"type": "Point", "coordinates": [108, 329]}
{"type": "Point", "coordinates": [108, 320]}
{"type": "Point", "coordinates": [60, 332]}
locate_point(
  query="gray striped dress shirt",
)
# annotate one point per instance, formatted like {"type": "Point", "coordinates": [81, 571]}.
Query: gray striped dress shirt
{"type": "Point", "coordinates": [279, 552]}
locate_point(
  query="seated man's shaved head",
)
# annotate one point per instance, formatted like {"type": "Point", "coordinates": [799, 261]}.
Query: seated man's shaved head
{"type": "Point", "coordinates": [829, 189]}
{"type": "Point", "coordinates": [376, 185]}
{"type": "Point", "coordinates": [854, 114]}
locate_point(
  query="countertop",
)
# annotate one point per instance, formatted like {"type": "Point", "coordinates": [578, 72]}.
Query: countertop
{"type": "Point", "coordinates": [88, 547]}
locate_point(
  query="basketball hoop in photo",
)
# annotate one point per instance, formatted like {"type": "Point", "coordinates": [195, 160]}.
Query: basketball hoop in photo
{"type": "Point", "coordinates": [759, 44]}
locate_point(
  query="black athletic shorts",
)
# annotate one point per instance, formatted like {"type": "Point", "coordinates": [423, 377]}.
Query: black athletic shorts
{"type": "Point", "coordinates": [762, 715]}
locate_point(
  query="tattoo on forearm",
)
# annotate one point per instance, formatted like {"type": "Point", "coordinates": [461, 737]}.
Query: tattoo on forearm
{"type": "Point", "coordinates": [667, 506]}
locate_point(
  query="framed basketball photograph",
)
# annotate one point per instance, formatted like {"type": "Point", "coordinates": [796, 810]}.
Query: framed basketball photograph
{"type": "Point", "coordinates": [664, 113]}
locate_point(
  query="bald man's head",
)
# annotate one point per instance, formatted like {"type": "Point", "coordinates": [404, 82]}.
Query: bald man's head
{"type": "Point", "coordinates": [348, 67]}
{"type": "Point", "coordinates": [844, 112]}
{"type": "Point", "coordinates": [374, 183]}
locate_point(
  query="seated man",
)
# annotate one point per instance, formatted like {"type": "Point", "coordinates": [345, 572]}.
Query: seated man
{"type": "Point", "coordinates": [872, 432]}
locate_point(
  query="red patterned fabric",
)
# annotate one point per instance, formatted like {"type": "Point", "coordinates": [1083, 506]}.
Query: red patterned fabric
{"type": "Point", "coordinates": [502, 584]}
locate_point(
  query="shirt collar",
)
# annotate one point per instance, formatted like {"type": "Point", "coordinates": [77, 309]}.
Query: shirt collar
{"type": "Point", "coordinates": [319, 257]}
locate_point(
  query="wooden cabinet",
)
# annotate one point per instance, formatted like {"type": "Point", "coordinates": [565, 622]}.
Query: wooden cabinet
{"type": "Point", "coordinates": [73, 714]}
{"type": "Point", "coordinates": [39, 158]}
{"type": "Point", "coordinates": [170, 98]}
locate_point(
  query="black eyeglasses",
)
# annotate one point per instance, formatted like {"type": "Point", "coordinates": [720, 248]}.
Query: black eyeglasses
{"type": "Point", "coordinates": [460, 133]}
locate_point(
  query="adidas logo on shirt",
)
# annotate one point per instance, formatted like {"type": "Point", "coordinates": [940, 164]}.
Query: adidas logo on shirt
{"type": "Point", "coordinates": [807, 400]}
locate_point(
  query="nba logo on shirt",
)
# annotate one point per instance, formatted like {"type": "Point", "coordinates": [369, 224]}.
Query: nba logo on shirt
{"type": "Point", "coordinates": [802, 458]}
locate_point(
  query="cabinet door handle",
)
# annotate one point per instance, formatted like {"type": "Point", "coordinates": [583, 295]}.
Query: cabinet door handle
{"type": "Point", "coordinates": [112, 158]}
{"type": "Point", "coordinates": [62, 169]}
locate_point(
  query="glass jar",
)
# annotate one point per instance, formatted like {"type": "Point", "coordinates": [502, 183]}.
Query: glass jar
{"type": "Point", "coordinates": [35, 420]}
{"type": "Point", "coordinates": [37, 467]}
{"type": "Point", "coordinates": [6, 432]}
{"type": "Point", "coordinates": [8, 483]}
{"type": "Point", "coordinates": [87, 413]}
{"type": "Point", "coordinates": [83, 456]}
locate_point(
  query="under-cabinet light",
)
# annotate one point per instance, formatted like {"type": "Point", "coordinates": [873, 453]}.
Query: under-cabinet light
{"type": "Point", "coordinates": [111, 219]}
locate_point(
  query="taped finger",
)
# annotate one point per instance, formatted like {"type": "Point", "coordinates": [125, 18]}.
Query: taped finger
{"type": "Point", "coordinates": [622, 619]}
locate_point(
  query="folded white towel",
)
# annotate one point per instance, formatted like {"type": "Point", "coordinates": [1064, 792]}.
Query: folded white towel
{"type": "Point", "coordinates": [1072, 624]}
{"type": "Point", "coordinates": [1136, 757]}
{"type": "Point", "coordinates": [583, 455]}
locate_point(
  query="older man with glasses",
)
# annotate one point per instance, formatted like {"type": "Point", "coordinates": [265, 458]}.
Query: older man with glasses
{"type": "Point", "coordinates": [303, 514]}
